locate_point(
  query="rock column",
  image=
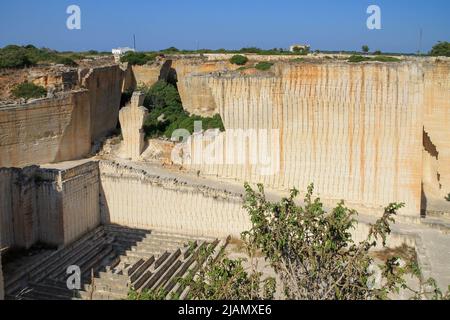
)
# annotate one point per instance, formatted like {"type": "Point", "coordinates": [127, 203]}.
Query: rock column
{"type": "Point", "coordinates": [132, 119]}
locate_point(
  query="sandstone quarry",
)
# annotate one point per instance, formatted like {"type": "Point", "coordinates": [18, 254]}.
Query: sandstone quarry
{"type": "Point", "coordinates": [369, 133]}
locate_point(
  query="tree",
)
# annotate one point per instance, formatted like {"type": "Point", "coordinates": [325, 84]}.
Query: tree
{"type": "Point", "coordinates": [365, 48]}
{"type": "Point", "coordinates": [14, 57]}
{"type": "Point", "coordinates": [310, 250]}
{"type": "Point", "coordinates": [313, 252]}
{"type": "Point", "coordinates": [441, 49]}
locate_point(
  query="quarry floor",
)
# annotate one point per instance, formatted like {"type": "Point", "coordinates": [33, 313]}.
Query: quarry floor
{"type": "Point", "coordinates": [430, 236]}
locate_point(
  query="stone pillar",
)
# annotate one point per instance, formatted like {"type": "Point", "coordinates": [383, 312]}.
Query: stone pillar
{"type": "Point", "coordinates": [132, 119]}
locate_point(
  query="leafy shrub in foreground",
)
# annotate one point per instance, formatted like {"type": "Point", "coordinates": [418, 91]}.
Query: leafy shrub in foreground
{"type": "Point", "coordinates": [311, 251]}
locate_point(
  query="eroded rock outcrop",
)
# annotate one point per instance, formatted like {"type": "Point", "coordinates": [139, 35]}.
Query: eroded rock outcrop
{"type": "Point", "coordinates": [132, 119]}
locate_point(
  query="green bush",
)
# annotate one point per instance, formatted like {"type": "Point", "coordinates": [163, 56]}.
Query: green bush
{"type": "Point", "coordinates": [264, 66]}
{"type": "Point", "coordinates": [358, 58]}
{"type": "Point", "coordinates": [171, 50]}
{"type": "Point", "coordinates": [137, 58]}
{"type": "Point", "coordinates": [385, 59]}
{"type": "Point", "coordinates": [441, 49]}
{"type": "Point", "coordinates": [164, 103]}
{"type": "Point", "coordinates": [239, 60]}
{"type": "Point", "coordinates": [14, 57]}
{"type": "Point", "coordinates": [29, 90]}
{"type": "Point", "coordinates": [66, 61]}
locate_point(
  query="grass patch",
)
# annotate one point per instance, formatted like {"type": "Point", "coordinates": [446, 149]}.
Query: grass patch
{"type": "Point", "coordinates": [263, 66]}
{"type": "Point", "coordinates": [359, 58]}
{"type": "Point", "coordinates": [385, 59]}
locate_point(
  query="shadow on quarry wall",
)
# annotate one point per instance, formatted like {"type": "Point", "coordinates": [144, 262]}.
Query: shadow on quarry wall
{"type": "Point", "coordinates": [432, 190]}
{"type": "Point", "coordinates": [168, 73]}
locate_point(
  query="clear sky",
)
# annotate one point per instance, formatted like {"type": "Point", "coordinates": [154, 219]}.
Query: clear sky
{"type": "Point", "coordinates": [230, 24]}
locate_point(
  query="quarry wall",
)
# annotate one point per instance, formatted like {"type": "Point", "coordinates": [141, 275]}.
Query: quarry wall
{"type": "Point", "coordinates": [52, 206]}
{"type": "Point", "coordinates": [46, 130]}
{"type": "Point", "coordinates": [354, 130]}
{"type": "Point", "coordinates": [105, 90]}
{"type": "Point", "coordinates": [62, 127]}
{"type": "Point", "coordinates": [137, 198]}
{"type": "Point", "coordinates": [436, 157]}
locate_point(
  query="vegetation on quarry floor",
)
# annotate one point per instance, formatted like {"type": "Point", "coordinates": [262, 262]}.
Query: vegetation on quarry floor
{"type": "Point", "coordinates": [28, 90]}
{"type": "Point", "coordinates": [312, 253]}
{"type": "Point", "coordinates": [167, 113]}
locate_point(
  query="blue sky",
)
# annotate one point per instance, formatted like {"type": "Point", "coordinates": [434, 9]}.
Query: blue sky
{"type": "Point", "coordinates": [188, 24]}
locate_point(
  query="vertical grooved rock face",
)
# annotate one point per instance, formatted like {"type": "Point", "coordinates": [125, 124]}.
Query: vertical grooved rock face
{"type": "Point", "coordinates": [436, 170]}
{"type": "Point", "coordinates": [355, 131]}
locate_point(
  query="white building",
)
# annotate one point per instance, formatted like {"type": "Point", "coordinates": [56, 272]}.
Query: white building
{"type": "Point", "coordinates": [121, 51]}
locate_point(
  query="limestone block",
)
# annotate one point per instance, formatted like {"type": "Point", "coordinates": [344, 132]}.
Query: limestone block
{"type": "Point", "coordinates": [132, 119]}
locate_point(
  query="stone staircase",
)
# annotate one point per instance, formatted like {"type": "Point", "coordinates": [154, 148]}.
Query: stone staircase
{"type": "Point", "coordinates": [112, 260]}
